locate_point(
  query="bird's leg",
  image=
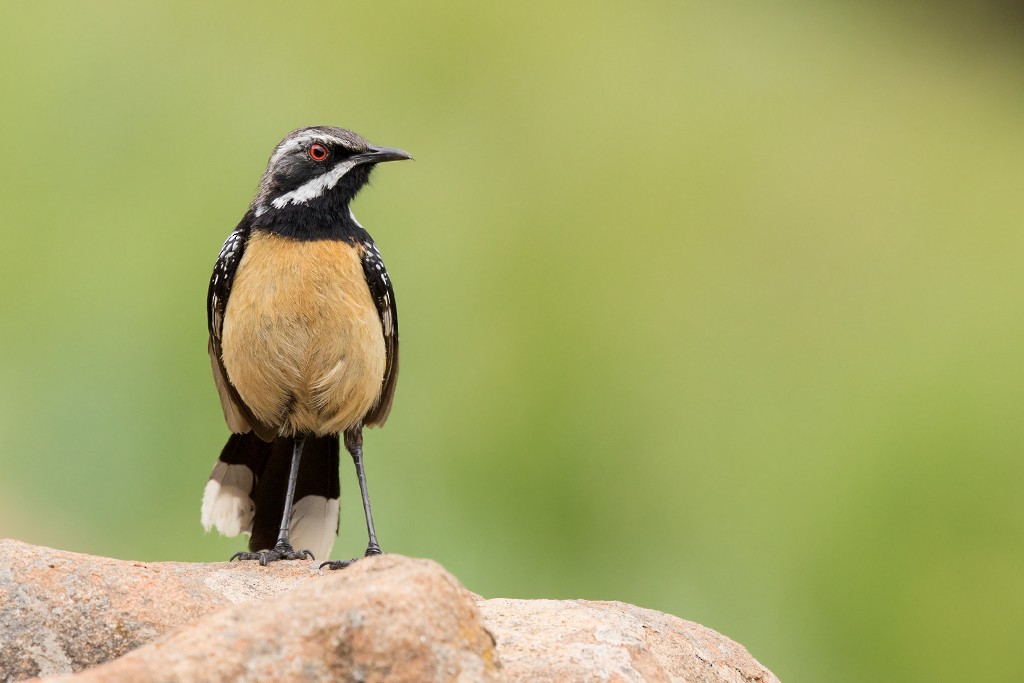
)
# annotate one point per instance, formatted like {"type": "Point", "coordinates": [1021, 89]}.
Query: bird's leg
{"type": "Point", "coordinates": [354, 445]}
{"type": "Point", "coordinates": [356, 449]}
{"type": "Point", "coordinates": [283, 550]}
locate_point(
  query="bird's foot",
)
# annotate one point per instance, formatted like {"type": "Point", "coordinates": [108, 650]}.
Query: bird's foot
{"type": "Point", "coordinates": [341, 564]}
{"type": "Point", "coordinates": [281, 551]}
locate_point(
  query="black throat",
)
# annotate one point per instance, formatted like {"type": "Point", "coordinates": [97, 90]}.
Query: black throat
{"type": "Point", "coordinates": [327, 217]}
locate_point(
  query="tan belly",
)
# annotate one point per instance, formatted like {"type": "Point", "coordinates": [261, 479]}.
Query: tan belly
{"type": "Point", "coordinates": [302, 340]}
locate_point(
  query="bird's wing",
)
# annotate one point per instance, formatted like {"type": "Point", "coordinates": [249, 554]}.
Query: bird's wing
{"type": "Point", "coordinates": [384, 297]}
{"type": "Point", "coordinates": [238, 416]}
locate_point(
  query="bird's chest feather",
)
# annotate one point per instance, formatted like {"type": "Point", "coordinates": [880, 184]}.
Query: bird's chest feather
{"type": "Point", "coordinates": [302, 340]}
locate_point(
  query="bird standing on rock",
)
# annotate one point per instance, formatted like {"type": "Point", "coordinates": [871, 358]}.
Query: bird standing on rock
{"type": "Point", "coordinates": [304, 348]}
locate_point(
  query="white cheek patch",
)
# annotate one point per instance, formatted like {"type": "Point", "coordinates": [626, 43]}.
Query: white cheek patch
{"type": "Point", "coordinates": [226, 500]}
{"type": "Point", "coordinates": [314, 525]}
{"type": "Point", "coordinates": [317, 186]}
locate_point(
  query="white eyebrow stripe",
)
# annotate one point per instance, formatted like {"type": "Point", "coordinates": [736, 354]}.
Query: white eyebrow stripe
{"type": "Point", "coordinates": [317, 186]}
{"type": "Point", "coordinates": [300, 142]}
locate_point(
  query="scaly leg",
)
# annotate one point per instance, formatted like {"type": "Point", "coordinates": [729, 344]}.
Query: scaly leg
{"type": "Point", "coordinates": [354, 445]}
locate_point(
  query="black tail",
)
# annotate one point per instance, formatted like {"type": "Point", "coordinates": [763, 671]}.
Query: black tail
{"type": "Point", "coordinates": [246, 492]}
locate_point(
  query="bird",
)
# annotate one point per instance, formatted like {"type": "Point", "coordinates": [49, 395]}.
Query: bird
{"type": "Point", "coordinates": [303, 344]}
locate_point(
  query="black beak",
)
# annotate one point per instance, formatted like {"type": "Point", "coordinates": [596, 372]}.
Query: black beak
{"type": "Point", "coordinates": [375, 155]}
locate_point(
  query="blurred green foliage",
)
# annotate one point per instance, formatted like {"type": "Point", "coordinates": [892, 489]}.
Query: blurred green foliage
{"type": "Point", "coordinates": [710, 307]}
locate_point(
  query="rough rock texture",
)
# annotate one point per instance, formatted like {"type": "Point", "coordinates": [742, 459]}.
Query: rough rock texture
{"type": "Point", "coordinates": [386, 618]}
{"type": "Point", "coordinates": [578, 640]}
{"type": "Point", "coordinates": [62, 612]}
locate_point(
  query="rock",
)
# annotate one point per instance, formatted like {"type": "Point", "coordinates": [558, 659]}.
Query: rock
{"type": "Point", "coordinates": [389, 618]}
{"type": "Point", "coordinates": [579, 640]}
{"type": "Point", "coordinates": [63, 612]}
{"type": "Point", "coordinates": [385, 618]}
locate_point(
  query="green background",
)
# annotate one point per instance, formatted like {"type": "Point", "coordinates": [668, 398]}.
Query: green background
{"type": "Point", "coordinates": [710, 307]}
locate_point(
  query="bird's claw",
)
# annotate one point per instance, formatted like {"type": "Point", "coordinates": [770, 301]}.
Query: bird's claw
{"type": "Point", "coordinates": [281, 551]}
{"type": "Point", "coordinates": [341, 564]}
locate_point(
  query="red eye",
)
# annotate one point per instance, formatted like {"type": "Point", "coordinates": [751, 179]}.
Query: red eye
{"type": "Point", "coordinates": [317, 152]}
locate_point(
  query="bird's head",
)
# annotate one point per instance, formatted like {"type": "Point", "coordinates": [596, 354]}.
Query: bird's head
{"type": "Point", "coordinates": [319, 165]}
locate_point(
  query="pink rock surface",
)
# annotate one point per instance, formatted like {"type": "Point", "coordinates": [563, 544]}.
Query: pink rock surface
{"type": "Point", "coordinates": [79, 618]}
